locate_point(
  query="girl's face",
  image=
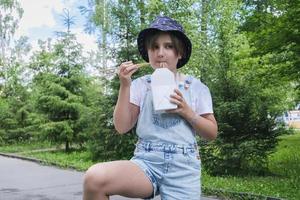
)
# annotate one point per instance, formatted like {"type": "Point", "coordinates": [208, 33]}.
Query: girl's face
{"type": "Point", "coordinates": [163, 54]}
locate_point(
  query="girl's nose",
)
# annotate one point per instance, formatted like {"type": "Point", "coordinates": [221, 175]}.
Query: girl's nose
{"type": "Point", "coordinates": [160, 52]}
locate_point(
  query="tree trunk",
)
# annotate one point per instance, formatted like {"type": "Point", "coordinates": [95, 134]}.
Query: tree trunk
{"type": "Point", "coordinates": [203, 34]}
{"type": "Point", "coordinates": [67, 149]}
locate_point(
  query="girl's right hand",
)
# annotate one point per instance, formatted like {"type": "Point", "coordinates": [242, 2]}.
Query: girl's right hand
{"type": "Point", "coordinates": [125, 71]}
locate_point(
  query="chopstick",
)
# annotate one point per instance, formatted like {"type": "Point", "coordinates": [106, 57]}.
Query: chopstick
{"type": "Point", "coordinates": [143, 64]}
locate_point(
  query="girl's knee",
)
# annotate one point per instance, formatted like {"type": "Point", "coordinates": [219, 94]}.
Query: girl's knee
{"type": "Point", "coordinates": [95, 178]}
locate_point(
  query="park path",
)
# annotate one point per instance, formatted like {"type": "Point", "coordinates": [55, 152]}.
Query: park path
{"type": "Point", "coordinates": [27, 180]}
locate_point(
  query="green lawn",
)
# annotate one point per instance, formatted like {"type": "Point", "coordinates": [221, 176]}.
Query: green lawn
{"type": "Point", "coordinates": [77, 159]}
{"type": "Point", "coordinates": [80, 160]}
{"type": "Point", "coordinates": [22, 147]}
{"type": "Point", "coordinates": [284, 165]}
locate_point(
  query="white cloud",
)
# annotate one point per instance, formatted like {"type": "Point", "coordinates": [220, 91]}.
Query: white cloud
{"type": "Point", "coordinates": [38, 13]}
{"type": "Point", "coordinates": [89, 41]}
{"type": "Point", "coordinates": [41, 19]}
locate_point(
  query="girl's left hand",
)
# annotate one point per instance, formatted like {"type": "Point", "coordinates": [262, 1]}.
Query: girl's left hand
{"type": "Point", "coordinates": [183, 108]}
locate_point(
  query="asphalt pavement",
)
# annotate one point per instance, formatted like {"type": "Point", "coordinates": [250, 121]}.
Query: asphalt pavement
{"type": "Point", "coordinates": [26, 180]}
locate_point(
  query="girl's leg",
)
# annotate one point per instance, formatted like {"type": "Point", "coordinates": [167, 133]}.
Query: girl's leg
{"type": "Point", "coordinates": [118, 177]}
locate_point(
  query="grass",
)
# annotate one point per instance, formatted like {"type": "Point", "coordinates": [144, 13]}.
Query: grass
{"type": "Point", "coordinates": [286, 160]}
{"type": "Point", "coordinates": [22, 147]}
{"type": "Point", "coordinates": [284, 164]}
{"type": "Point", "coordinates": [77, 159]}
{"type": "Point", "coordinates": [265, 186]}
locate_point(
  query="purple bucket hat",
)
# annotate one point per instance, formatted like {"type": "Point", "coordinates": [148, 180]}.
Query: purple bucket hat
{"type": "Point", "coordinates": [165, 24]}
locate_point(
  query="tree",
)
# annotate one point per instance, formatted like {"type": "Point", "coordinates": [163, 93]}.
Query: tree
{"type": "Point", "coordinates": [246, 101]}
{"type": "Point", "coordinates": [13, 77]}
{"type": "Point", "coordinates": [272, 27]}
{"type": "Point", "coordinates": [100, 21]}
{"type": "Point", "coordinates": [244, 105]}
{"type": "Point", "coordinates": [59, 89]}
{"type": "Point", "coordinates": [104, 142]}
{"type": "Point", "coordinates": [10, 14]}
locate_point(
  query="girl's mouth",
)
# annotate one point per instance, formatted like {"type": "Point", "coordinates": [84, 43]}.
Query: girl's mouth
{"type": "Point", "coordinates": [162, 64]}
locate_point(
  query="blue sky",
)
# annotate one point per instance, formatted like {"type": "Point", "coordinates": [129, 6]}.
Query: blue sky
{"type": "Point", "coordinates": [41, 18]}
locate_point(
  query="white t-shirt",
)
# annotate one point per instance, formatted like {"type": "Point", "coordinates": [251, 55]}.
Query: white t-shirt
{"type": "Point", "coordinates": [201, 97]}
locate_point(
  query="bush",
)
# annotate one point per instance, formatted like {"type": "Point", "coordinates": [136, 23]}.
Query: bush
{"type": "Point", "coordinates": [105, 143]}
{"type": "Point", "coordinates": [247, 133]}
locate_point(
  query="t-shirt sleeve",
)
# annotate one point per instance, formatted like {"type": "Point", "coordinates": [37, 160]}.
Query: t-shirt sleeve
{"type": "Point", "coordinates": [136, 91]}
{"type": "Point", "coordinates": [203, 101]}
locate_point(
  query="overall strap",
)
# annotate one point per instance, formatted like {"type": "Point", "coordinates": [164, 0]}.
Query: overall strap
{"type": "Point", "coordinates": [188, 81]}
{"type": "Point", "coordinates": [148, 81]}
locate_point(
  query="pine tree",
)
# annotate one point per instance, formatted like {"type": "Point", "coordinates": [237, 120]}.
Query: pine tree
{"type": "Point", "coordinates": [60, 94]}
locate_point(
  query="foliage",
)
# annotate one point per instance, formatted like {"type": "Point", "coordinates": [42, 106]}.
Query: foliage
{"type": "Point", "coordinates": [11, 13]}
{"type": "Point", "coordinates": [105, 143]}
{"type": "Point", "coordinates": [282, 182]}
{"type": "Point", "coordinates": [247, 133]}
{"type": "Point", "coordinates": [26, 146]}
{"type": "Point", "coordinates": [16, 124]}
{"type": "Point", "coordinates": [247, 95]}
{"type": "Point", "coordinates": [13, 92]}
{"type": "Point", "coordinates": [273, 28]}
{"type": "Point", "coordinates": [285, 161]}
{"type": "Point", "coordinates": [246, 101]}
{"type": "Point", "coordinates": [247, 52]}
{"type": "Point", "coordinates": [76, 159]}
{"type": "Point", "coordinates": [61, 95]}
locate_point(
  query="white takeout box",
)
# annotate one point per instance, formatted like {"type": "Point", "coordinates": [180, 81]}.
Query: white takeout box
{"type": "Point", "coordinates": [162, 85]}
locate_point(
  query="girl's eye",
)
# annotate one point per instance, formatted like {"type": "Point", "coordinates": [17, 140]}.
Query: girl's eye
{"type": "Point", "coordinates": [169, 46]}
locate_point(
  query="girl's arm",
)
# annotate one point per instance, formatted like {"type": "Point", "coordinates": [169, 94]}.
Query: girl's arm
{"type": "Point", "coordinates": [205, 125]}
{"type": "Point", "coordinates": [125, 113]}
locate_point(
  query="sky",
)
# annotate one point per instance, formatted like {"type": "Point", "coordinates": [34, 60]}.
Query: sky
{"type": "Point", "coordinates": [41, 18]}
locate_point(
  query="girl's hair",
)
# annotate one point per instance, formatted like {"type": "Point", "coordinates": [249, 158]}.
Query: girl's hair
{"type": "Point", "coordinates": [178, 44]}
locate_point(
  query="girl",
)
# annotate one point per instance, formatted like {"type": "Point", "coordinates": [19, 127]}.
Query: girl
{"type": "Point", "coordinates": [166, 159]}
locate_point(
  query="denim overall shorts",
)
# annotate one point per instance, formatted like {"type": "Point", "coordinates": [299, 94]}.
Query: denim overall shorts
{"type": "Point", "coordinates": [167, 150]}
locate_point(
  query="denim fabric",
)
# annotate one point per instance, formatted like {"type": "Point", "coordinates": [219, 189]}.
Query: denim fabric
{"type": "Point", "coordinates": [165, 127]}
{"type": "Point", "coordinates": [167, 151]}
{"type": "Point", "coordinates": [174, 170]}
